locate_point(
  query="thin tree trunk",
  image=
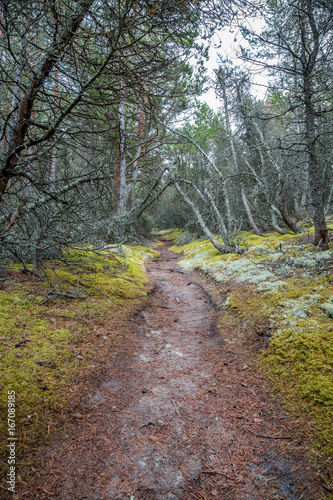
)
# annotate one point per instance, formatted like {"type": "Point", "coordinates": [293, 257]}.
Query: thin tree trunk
{"type": "Point", "coordinates": [273, 209]}
{"type": "Point", "coordinates": [213, 168]}
{"type": "Point", "coordinates": [222, 226]}
{"type": "Point", "coordinates": [309, 56]}
{"type": "Point", "coordinates": [119, 177]}
{"type": "Point", "coordinates": [53, 172]}
{"type": "Point", "coordinates": [135, 171]}
{"type": "Point", "coordinates": [286, 219]}
{"type": "Point", "coordinates": [116, 182]}
{"type": "Point", "coordinates": [255, 228]}
{"type": "Point", "coordinates": [206, 231]}
{"type": "Point", "coordinates": [25, 106]}
{"type": "Point", "coordinates": [329, 200]}
{"type": "Point", "coordinates": [122, 156]}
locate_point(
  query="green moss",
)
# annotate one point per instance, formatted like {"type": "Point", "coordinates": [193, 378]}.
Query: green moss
{"type": "Point", "coordinates": [300, 356]}
{"type": "Point", "coordinates": [157, 244]}
{"type": "Point", "coordinates": [194, 248]}
{"type": "Point", "coordinates": [42, 371]}
{"type": "Point", "coordinates": [169, 234]}
{"type": "Point", "coordinates": [273, 238]}
{"type": "Point", "coordinates": [301, 365]}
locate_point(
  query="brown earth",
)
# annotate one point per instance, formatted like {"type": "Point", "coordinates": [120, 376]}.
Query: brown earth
{"type": "Point", "coordinates": [181, 413]}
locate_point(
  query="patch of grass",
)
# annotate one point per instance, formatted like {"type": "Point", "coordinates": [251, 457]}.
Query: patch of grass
{"type": "Point", "coordinates": [49, 342]}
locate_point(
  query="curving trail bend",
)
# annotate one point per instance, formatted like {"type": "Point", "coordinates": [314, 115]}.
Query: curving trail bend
{"type": "Point", "coordinates": [177, 416]}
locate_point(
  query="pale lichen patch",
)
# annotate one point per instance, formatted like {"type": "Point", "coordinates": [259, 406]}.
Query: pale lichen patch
{"type": "Point", "coordinates": [287, 284]}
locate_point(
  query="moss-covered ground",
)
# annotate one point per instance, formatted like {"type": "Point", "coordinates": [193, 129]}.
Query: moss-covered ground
{"type": "Point", "coordinates": [282, 289]}
{"type": "Point", "coordinates": [54, 331]}
{"type": "Point", "coordinates": [169, 234]}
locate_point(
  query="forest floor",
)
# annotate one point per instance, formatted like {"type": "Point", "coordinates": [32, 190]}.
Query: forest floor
{"type": "Point", "coordinates": [178, 413]}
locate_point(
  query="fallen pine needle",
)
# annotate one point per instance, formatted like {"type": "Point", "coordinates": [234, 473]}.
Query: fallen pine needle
{"type": "Point", "coordinates": [174, 404]}
{"type": "Point", "coordinates": [215, 472]}
{"type": "Point", "coordinates": [48, 492]}
{"type": "Point", "coordinates": [265, 436]}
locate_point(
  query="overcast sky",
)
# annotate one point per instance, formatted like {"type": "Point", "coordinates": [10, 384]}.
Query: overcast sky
{"type": "Point", "coordinates": [227, 43]}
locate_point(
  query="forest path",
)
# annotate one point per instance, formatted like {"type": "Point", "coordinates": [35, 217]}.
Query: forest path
{"type": "Point", "coordinates": [178, 415]}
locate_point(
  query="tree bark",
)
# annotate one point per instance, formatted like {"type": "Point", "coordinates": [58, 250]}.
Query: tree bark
{"type": "Point", "coordinates": [255, 228]}
{"type": "Point", "coordinates": [309, 57]}
{"type": "Point", "coordinates": [286, 219]}
{"type": "Point", "coordinates": [213, 168]}
{"type": "Point", "coordinates": [219, 218]}
{"type": "Point", "coordinates": [206, 231]}
{"type": "Point", "coordinates": [25, 106]}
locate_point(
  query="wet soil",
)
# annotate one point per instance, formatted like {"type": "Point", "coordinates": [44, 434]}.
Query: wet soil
{"type": "Point", "coordinates": [180, 413]}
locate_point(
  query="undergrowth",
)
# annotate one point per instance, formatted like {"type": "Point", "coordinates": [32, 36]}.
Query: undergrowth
{"type": "Point", "coordinates": [53, 330]}
{"type": "Point", "coordinates": [285, 284]}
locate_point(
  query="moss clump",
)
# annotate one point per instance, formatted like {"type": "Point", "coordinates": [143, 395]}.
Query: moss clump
{"type": "Point", "coordinates": [247, 239]}
{"type": "Point", "coordinates": [157, 244]}
{"type": "Point", "coordinates": [301, 366]}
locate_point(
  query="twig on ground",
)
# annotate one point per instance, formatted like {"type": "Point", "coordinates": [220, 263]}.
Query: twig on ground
{"type": "Point", "coordinates": [265, 436]}
{"type": "Point", "coordinates": [174, 404]}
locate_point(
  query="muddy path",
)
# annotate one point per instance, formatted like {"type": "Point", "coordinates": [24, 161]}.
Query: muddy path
{"type": "Point", "coordinates": [177, 415]}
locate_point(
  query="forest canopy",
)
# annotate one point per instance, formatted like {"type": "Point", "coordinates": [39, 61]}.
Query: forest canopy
{"type": "Point", "coordinates": [97, 146]}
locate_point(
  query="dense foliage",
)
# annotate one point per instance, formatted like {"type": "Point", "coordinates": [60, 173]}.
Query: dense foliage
{"type": "Point", "coordinates": [102, 137]}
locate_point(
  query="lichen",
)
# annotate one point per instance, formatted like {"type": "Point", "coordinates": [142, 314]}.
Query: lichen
{"type": "Point", "coordinates": [328, 307]}
{"type": "Point", "coordinates": [271, 286]}
{"type": "Point", "coordinates": [297, 306]}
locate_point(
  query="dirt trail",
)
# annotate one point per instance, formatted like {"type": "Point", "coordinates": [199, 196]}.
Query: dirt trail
{"type": "Point", "coordinates": [175, 417]}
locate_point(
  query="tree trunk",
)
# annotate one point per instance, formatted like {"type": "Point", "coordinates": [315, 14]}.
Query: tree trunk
{"type": "Point", "coordinates": [122, 156]}
{"type": "Point", "coordinates": [206, 231]}
{"type": "Point", "coordinates": [234, 155]}
{"type": "Point", "coordinates": [254, 226]}
{"type": "Point", "coordinates": [213, 168]}
{"type": "Point", "coordinates": [309, 56]}
{"type": "Point", "coordinates": [53, 172]}
{"type": "Point", "coordinates": [20, 128]}
{"type": "Point", "coordinates": [119, 177]}
{"type": "Point", "coordinates": [286, 219]}
{"type": "Point", "coordinates": [222, 226]}
{"type": "Point", "coordinates": [130, 188]}
{"type": "Point", "coordinates": [273, 211]}
{"type": "Point", "coordinates": [321, 232]}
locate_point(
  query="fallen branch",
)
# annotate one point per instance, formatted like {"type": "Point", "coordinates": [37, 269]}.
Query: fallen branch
{"type": "Point", "coordinates": [63, 295]}
{"type": "Point", "coordinates": [147, 425]}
